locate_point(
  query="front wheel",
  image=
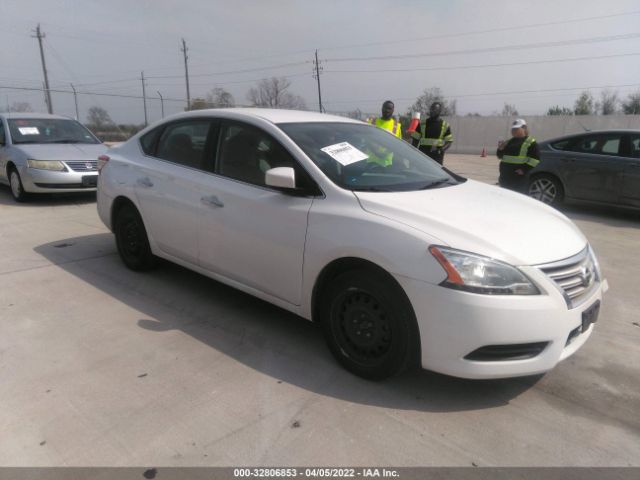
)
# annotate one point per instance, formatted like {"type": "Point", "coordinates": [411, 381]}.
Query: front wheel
{"type": "Point", "coordinates": [369, 325]}
{"type": "Point", "coordinates": [547, 189]}
{"type": "Point", "coordinates": [132, 241]}
{"type": "Point", "coordinates": [17, 190]}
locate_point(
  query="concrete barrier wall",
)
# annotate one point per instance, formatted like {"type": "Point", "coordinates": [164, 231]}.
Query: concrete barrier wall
{"type": "Point", "coordinates": [472, 134]}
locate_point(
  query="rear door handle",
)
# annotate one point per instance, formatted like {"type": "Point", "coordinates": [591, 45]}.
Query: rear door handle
{"type": "Point", "coordinates": [212, 201]}
{"type": "Point", "coordinates": [144, 182]}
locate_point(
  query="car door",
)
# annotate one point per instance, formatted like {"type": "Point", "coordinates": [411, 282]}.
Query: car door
{"type": "Point", "coordinates": [170, 183]}
{"type": "Point", "coordinates": [591, 167]}
{"type": "Point", "coordinates": [631, 174]}
{"type": "Point", "coordinates": [252, 233]}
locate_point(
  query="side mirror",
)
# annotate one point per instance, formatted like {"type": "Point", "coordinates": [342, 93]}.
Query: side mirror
{"type": "Point", "coordinates": [281, 177]}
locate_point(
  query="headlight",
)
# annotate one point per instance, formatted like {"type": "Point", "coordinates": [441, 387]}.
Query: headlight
{"type": "Point", "coordinates": [478, 274]}
{"type": "Point", "coordinates": [596, 264]}
{"type": "Point", "coordinates": [46, 165]}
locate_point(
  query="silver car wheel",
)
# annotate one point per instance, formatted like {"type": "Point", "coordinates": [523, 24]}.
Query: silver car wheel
{"type": "Point", "coordinates": [544, 190]}
{"type": "Point", "coordinates": [16, 186]}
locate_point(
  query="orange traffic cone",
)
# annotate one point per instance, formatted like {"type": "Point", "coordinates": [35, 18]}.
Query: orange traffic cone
{"type": "Point", "coordinates": [415, 122]}
{"type": "Point", "coordinates": [484, 152]}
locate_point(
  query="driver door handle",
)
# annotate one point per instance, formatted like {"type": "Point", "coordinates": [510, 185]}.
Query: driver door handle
{"type": "Point", "coordinates": [212, 201]}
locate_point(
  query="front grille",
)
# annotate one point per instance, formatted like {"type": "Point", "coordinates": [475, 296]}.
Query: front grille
{"type": "Point", "coordinates": [574, 276]}
{"type": "Point", "coordinates": [83, 165]}
{"type": "Point", "coordinates": [497, 353]}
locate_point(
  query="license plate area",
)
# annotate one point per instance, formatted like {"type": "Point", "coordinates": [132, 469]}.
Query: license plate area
{"type": "Point", "coordinates": [590, 315]}
{"type": "Point", "coordinates": [90, 180]}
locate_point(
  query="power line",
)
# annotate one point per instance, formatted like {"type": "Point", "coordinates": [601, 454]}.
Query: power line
{"type": "Point", "coordinates": [247, 70]}
{"type": "Point", "coordinates": [479, 32]}
{"type": "Point", "coordinates": [181, 100]}
{"type": "Point", "coordinates": [489, 65]}
{"type": "Point", "coordinates": [512, 92]}
{"type": "Point", "coordinates": [491, 49]}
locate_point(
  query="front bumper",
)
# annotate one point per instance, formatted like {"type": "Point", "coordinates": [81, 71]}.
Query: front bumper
{"type": "Point", "coordinates": [454, 324]}
{"type": "Point", "coordinates": [48, 181]}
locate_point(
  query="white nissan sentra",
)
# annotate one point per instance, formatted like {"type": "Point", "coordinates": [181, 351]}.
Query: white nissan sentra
{"type": "Point", "coordinates": [402, 262]}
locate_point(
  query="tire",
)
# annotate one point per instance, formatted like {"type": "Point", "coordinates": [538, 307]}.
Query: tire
{"type": "Point", "coordinates": [132, 241]}
{"type": "Point", "coordinates": [369, 324]}
{"type": "Point", "coordinates": [15, 184]}
{"type": "Point", "coordinates": [547, 189]}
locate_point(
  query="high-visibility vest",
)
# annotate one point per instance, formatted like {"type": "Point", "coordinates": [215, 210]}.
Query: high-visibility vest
{"type": "Point", "coordinates": [522, 158]}
{"type": "Point", "coordinates": [439, 141]}
{"type": "Point", "coordinates": [385, 124]}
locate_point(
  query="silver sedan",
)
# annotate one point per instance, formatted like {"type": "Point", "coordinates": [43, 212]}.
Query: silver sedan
{"type": "Point", "coordinates": [42, 153]}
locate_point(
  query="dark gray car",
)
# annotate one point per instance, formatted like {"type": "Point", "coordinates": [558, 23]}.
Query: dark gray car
{"type": "Point", "coordinates": [596, 167]}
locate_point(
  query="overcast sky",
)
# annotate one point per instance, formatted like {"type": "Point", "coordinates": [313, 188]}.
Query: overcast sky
{"type": "Point", "coordinates": [102, 47]}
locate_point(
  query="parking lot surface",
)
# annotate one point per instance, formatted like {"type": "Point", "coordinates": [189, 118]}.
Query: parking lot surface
{"type": "Point", "coordinates": [101, 366]}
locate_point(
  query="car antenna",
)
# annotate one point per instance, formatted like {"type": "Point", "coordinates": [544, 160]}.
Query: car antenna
{"type": "Point", "coordinates": [583, 127]}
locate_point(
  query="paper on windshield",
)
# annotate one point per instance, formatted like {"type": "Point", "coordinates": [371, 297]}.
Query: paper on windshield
{"type": "Point", "coordinates": [29, 130]}
{"type": "Point", "coordinates": [345, 153]}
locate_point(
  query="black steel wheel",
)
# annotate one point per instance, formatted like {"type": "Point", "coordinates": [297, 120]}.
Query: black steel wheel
{"type": "Point", "coordinates": [369, 324]}
{"type": "Point", "coordinates": [131, 239]}
{"type": "Point", "coordinates": [547, 189]}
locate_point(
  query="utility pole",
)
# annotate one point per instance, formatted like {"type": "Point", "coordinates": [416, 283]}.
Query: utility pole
{"type": "Point", "coordinates": [40, 36]}
{"type": "Point", "coordinates": [75, 99]}
{"type": "Point", "coordinates": [186, 72]}
{"type": "Point", "coordinates": [161, 103]}
{"type": "Point", "coordinates": [144, 99]}
{"type": "Point", "coordinates": [317, 69]}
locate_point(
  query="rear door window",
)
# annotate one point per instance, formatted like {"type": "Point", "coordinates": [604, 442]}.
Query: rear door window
{"type": "Point", "coordinates": [601, 144]}
{"type": "Point", "coordinates": [185, 142]}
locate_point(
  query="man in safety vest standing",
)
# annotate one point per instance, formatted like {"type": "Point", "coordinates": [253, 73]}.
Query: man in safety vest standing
{"type": "Point", "coordinates": [434, 136]}
{"type": "Point", "coordinates": [517, 157]}
{"type": "Point", "coordinates": [387, 122]}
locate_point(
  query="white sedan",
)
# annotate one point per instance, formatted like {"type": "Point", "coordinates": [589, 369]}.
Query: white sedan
{"type": "Point", "coordinates": [402, 262]}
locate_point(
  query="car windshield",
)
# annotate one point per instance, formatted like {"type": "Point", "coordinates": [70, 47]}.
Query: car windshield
{"type": "Point", "coordinates": [49, 130]}
{"type": "Point", "coordinates": [364, 158]}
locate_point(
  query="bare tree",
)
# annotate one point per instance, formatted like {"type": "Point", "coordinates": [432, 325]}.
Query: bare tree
{"type": "Point", "coordinates": [220, 98]}
{"type": "Point", "coordinates": [20, 107]}
{"type": "Point", "coordinates": [557, 110]}
{"type": "Point", "coordinates": [608, 102]}
{"type": "Point", "coordinates": [272, 92]}
{"type": "Point", "coordinates": [632, 105]}
{"type": "Point", "coordinates": [509, 110]}
{"type": "Point", "coordinates": [584, 104]}
{"type": "Point", "coordinates": [430, 95]}
{"type": "Point", "coordinates": [355, 114]}
{"type": "Point", "coordinates": [198, 103]}
{"type": "Point", "coordinates": [98, 118]}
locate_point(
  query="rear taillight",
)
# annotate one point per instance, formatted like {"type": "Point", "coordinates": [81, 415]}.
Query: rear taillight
{"type": "Point", "coordinates": [102, 161]}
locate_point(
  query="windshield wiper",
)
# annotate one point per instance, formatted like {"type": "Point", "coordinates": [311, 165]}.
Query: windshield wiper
{"type": "Point", "coordinates": [370, 189]}
{"type": "Point", "coordinates": [65, 140]}
{"type": "Point", "coordinates": [435, 183]}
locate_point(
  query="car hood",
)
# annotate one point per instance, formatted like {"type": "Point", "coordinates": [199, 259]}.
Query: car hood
{"type": "Point", "coordinates": [482, 219]}
{"type": "Point", "coordinates": [63, 151]}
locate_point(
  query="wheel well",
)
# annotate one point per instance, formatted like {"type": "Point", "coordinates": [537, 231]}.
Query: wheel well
{"type": "Point", "coordinates": [118, 204]}
{"type": "Point", "coordinates": [10, 165]}
{"type": "Point", "coordinates": [338, 267]}
{"type": "Point", "coordinates": [342, 265]}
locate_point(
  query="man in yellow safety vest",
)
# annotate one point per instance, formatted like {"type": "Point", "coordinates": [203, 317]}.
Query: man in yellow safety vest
{"type": "Point", "coordinates": [387, 122]}
{"type": "Point", "coordinates": [434, 136]}
{"type": "Point", "coordinates": [517, 156]}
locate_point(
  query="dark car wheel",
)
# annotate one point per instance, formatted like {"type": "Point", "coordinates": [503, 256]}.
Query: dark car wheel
{"type": "Point", "coordinates": [369, 325]}
{"type": "Point", "coordinates": [17, 190]}
{"type": "Point", "coordinates": [547, 189]}
{"type": "Point", "coordinates": [131, 240]}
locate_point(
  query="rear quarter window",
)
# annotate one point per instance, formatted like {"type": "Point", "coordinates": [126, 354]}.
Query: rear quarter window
{"type": "Point", "coordinates": [561, 145]}
{"type": "Point", "coordinates": [149, 140]}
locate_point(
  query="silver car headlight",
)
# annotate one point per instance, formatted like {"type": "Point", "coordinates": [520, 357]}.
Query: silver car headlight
{"type": "Point", "coordinates": [477, 274]}
{"type": "Point", "coordinates": [46, 165]}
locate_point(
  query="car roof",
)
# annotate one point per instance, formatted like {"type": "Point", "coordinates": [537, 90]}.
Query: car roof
{"type": "Point", "coordinates": [33, 115]}
{"type": "Point", "coordinates": [591, 132]}
{"type": "Point", "coordinates": [272, 115]}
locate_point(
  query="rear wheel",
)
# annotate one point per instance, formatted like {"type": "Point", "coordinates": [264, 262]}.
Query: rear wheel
{"type": "Point", "coordinates": [369, 324]}
{"type": "Point", "coordinates": [132, 241]}
{"type": "Point", "coordinates": [15, 182]}
{"type": "Point", "coordinates": [547, 189]}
